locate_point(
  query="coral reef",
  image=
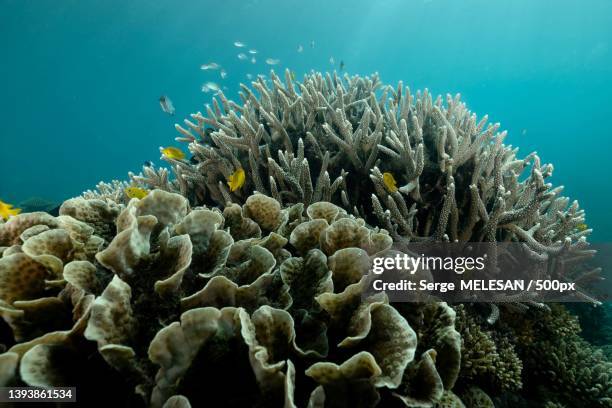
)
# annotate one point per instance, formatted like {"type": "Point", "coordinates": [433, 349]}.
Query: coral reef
{"type": "Point", "coordinates": [487, 360]}
{"type": "Point", "coordinates": [555, 356]}
{"type": "Point", "coordinates": [239, 280]}
{"type": "Point", "coordinates": [182, 296]}
{"type": "Point", "coordinates": [595, 322]}
{"type": "Point", "coordinates": [342, 139]}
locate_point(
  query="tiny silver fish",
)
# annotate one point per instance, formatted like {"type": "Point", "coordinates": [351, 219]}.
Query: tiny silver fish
{"type": "Point", "coordinates": [242, 56]}
{"type": "Point", "coordinates": [312, 44]}
{"type": "Point", "coordinates": [239, 44]}
{"type": "Point", "coordinates": [249, 76]}
{"type": "Point", "coordinates": [253, 51]}
{"type": "Point", "coordinates": [272, 61]}
{"type": "Point", "coordinates": [166, 105]}
{"type": "Point", "coordinates": [253, 60]}
{"type": "Point", "coordinates": [223, 74]}
{"type": "Point", "coordinates": [300, 48]}
{"type": "Point", "coordinates": [331, 60]}
{"type": "Point", "coordinates": [212, 86]}
{"type": "Point", "coordinates": [210, 65]}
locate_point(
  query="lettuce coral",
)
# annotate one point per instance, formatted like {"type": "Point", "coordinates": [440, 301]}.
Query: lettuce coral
{"type": "Point", "coordinates": [175, 300]}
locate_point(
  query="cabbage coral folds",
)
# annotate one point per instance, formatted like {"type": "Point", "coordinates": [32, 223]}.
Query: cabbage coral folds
{"type": "Point", "coordinates": [189, 304]}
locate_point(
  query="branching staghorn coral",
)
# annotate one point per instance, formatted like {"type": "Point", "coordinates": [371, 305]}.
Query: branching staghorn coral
{"type": "Point", "coordinates": [304, 135]}
{"type": "Point", "coordinates": [349, 140]}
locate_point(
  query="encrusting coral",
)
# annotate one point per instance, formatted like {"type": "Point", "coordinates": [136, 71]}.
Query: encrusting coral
{"type": "Point", "coordinates": [240, 281]}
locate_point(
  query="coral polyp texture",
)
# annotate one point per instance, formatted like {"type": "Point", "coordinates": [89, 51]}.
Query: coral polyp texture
{"type": "Point", "coordinates": [252, 292]}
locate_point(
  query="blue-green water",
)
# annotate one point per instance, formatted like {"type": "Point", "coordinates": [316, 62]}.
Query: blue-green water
{"type": "Point", "coordinates": [80, 80]}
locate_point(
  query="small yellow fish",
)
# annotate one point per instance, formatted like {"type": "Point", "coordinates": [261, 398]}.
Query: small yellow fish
{"type": "Point", "coordinates": [136, 192]}
{"type": "Point", "coordinates": [173, 153]}
{"type": "Point", "coordinates": [7, 210]}
{"type": "Point", "coordinates": [582, 227]}
{"type": "Point", "coordinates": [390, 182]}
{"type": "Point", "coordinates": [236, 180]}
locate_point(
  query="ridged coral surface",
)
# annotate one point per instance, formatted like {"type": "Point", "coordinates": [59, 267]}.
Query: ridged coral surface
{"type": "Point", "coordinates": [194, 301]}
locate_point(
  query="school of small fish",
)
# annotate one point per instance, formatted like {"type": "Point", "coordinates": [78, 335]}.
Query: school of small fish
{"type": "Point", "coordinates": [249, 55]}
{"type": "Point", "coordinates": [237, 179]}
